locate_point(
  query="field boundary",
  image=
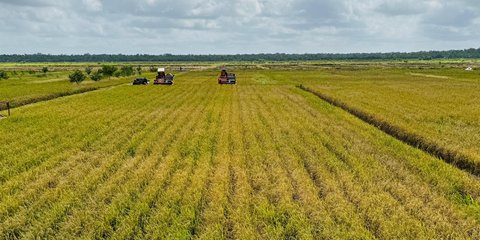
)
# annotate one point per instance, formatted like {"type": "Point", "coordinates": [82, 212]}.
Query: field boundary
{"type": "Point", "coordinates": [452, 157]}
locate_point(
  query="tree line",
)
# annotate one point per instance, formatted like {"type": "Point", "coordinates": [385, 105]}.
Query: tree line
{"type": "Point", "coordinates": [423, 55]}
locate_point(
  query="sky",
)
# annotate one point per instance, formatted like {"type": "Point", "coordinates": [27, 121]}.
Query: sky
{"type": "Point", "coordinates": [236, 26]}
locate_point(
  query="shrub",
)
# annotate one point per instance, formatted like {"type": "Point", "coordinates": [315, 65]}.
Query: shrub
{"type": "Point", "coordinates": [45, 70]}
{"type": "Point", "coordinates": [97, 76]}
{"type": "Point", "coordinates": [126, 71]}
{"type": "Point", "coordinates": [88, 70]}
{"type": "Point", "coordinates": [108, 70]}
{"type": "Point", "coordinates": [3, 75]}
{"type": "Point", "coordinates": [77, 77]}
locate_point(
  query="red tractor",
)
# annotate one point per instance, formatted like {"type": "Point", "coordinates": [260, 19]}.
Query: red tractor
{"type": "Point", "coordinates": [227, 78]}
{"type": "Point", "coordinates": [162, 78]}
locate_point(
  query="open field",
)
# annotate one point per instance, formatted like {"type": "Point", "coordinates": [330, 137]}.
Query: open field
{"type": "Point", "coordinates": [439, 106]}
{"type": "Point", "coordinates": [24, 88]}
{"type": "Point", "coordinates": [27, 84]}
{"type": "Point", "coordinates": [259, 160]}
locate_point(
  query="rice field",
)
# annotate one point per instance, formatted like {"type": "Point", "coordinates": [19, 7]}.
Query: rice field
{"type": "Point", "coordinates": [440, 107]}
{"type": "Point", "coordinates": [259, 160]}
{"type": "Point", "coordinates": [25, 87]}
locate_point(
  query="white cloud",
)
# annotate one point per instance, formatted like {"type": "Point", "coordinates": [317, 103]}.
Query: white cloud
{"type": "Point", "coordinates": [93, 5]}
{"type": "Point", "coordinates": [236, 26]}
{"type": "Point", "coordinates": [248, 8]}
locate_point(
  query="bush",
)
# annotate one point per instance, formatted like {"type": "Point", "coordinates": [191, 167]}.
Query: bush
{"type": "Point", "coordinates": [77, 77]}
{"type": "Point", "coordinates": [45, 70]}
{"type": "Point", "coordinates": [97, 76]}
{"type": "Point", "coordinates": [126, 71]}
{"type": "Point", "coordinates": [153, 69]}
{"type": "Point", "coordinates": [139, 70]}
{"type": "Point", "coordinates": [88, 70]}
{"type": "Point", "coordinates": [108, 70]}
{"type": "Point", "coordinates": [3, 75]}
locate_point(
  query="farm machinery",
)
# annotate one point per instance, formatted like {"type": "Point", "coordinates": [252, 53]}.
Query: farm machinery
{"type": "Point", "coordinates": [227, 78]}
{"type": "Point", "coordinates": [141, 81]}
{"type": "Point", "coordinates": [162, 78]}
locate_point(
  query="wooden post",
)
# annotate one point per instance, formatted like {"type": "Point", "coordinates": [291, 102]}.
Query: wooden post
{"type": "Point", "coordinates": [7, 104]}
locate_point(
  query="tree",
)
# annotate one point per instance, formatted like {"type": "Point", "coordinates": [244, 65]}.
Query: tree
{"type": "Point", "coordinates": [77, 77]}
{"type": "Point", "coordinates": [3, 75]}
{"type": "Point", "coordinates": [97, 76]}
{"type": "Point", "coordinates": [88, 70]}
{"type": "Point", "coordinates": [126, 71]}
{"type": "Point", "coordinates": [45, 70]}
{"type": "Point", "coordinates": [108, 70]}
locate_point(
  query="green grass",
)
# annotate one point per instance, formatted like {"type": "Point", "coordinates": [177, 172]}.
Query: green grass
{"type": "Point", "coordinates": [259, 160]}
{"type": "Point", "coordinates": [24, 88]}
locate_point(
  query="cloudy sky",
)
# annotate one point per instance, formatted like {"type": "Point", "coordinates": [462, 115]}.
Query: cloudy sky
{"type": "Point", "coordinates": [236, 26]}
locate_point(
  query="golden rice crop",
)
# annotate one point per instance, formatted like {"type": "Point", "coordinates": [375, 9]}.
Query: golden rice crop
{"type": "Point", "coordinates": [260, 160]}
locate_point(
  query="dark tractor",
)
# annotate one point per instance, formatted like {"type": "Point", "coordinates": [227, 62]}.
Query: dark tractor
{"type": "Point", "coordinates": [141, 81]}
